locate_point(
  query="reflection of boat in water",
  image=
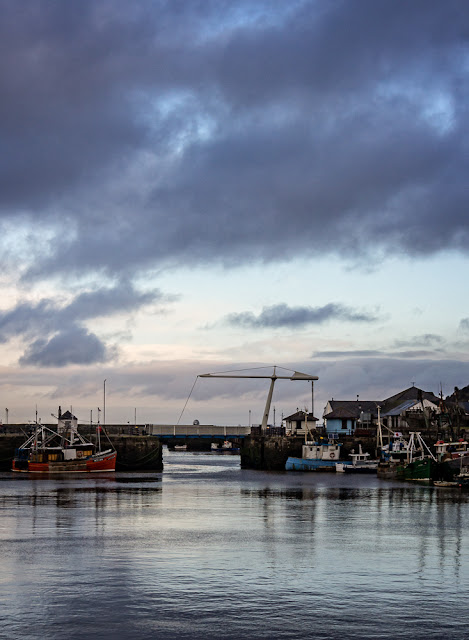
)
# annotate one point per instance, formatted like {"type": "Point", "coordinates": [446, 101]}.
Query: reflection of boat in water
{"type": "Point", "coordinates": [62, 450]}
{"type": "Point", "coordinates": [226, 447]}
{"type": "Point", "coordinates": [316, 456]}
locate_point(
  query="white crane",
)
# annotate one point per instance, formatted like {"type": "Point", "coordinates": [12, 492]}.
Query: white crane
{"type": "Point", "coordinates": [296, 376]}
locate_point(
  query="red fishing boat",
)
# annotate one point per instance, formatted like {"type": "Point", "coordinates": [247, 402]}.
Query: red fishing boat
{"type": "Point", "coordinates": [62, 450]}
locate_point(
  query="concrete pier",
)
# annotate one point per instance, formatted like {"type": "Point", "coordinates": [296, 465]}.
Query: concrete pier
{"type": "Point", "coordinates": [8, 444]}
{"type": "Point", "coordinates": [269, 453]}
{"type": "Point", "coordinates": [138, 453]}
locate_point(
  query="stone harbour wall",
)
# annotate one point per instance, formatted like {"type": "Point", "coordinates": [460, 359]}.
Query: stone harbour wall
{"type": "Point", "coordinates": [269, 453]}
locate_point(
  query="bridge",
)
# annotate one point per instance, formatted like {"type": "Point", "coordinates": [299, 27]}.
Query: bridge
{"type": "Point", "coordinates": [187, 431]}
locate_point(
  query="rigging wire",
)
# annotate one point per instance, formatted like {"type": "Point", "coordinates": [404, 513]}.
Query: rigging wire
{"type": "Point", "coordinates": [256, 369]}
{"type": "Point", "coordinates": [185, 405]}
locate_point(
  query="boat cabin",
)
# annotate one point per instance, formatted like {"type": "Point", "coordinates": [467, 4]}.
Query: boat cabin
{"type": "Point", "coordinates": [325, 451]}
{"type": "Point", "coordinates": [451, 450]}
{"type": "Point", "coordinates": [360, 457]}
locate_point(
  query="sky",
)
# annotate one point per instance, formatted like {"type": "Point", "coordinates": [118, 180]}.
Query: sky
{"type": "Point", "coordinates": [193, 187]}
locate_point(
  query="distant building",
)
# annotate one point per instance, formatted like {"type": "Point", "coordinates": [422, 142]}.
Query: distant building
{"type": "Point", "coordinates": [295, 424]}
{"type": "Point", "coordinates": [395, 418]}
{"type": "Point", "coordinates": [413, 400]}
{"type": "Point", "coordinates": [348, 417]}
{"type": "Point", "coordinates": [344, 417]}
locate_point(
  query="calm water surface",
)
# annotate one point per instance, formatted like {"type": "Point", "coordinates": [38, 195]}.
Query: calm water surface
{"type": "Point", "coordinates": [207, 550]}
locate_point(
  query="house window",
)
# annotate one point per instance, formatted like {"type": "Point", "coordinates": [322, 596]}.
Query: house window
{"type": "Point", "coordinates": [344, 424]}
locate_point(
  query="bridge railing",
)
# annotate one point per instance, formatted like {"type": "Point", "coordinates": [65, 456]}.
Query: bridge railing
{"type": "Point", "coordinates": [195, 430]}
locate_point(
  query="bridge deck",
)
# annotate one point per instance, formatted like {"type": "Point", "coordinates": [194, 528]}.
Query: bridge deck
{"type": "Point", "coordinates": [197, 431]}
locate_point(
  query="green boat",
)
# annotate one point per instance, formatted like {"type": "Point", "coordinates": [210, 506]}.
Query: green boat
{"type": "Point", "coordinates": [422, 470]}
{"type": "Point", "coordinates": [421, 464]}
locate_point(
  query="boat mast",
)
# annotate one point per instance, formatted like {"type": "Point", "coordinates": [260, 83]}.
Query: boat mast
{"type": "Point", "coordinates": [98, 430]}
{"type": "Point", "coordinates": [380, 433]}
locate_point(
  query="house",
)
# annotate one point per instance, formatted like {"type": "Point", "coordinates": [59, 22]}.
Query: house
{"type": "Point", "coordinates": [412, 393]}
{"type": "Point", "coordinates": [344, 417]}
{"type": "Point", "coordinates": [347, 417]}
{"type": "Point", "coordinates": [295, 424]}
{"type": "Point", "coordinates": [410, 402]}
{"type": "Point", "coordinates": [395, 419]}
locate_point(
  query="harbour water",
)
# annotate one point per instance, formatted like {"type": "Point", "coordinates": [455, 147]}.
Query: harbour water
{"type": "Point", "coordinates": [207, 550]}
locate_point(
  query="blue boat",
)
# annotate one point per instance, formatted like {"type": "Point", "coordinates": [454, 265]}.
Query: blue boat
{"type": "Point", "coordinates": [316, 456]}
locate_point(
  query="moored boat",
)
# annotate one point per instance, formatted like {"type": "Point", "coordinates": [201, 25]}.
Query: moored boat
{"type": "Point", "coordinates": [393, 455]}
{"type": "Point", "coordinates": [445, 483]}
{"type": "Point", "coordinates": [420, 464]}
{"type": "Point", "coordinates": [453, 458]}
{"type": "Point", "coordinates": [360, 463]}
{"type": "Point", "coordinates": [316, 457]}
{"type": "Point", "coordinates": [421, 470]}
{"type": "Point", "coordinates": [225, 447]}
{"type": "Point", "coordinates": [62, 450]}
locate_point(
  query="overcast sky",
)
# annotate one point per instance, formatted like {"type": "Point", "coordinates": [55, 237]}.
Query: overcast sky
{"type": "Point", "coordinates": [196, 186]}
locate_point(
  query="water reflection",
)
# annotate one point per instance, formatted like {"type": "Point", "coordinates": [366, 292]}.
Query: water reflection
{"type": "Point", "coordinates": [396, 521]}
{"type": "Point", "coordinates": [209, 550]}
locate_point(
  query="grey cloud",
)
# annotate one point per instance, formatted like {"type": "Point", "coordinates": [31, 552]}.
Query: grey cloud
{"type": "Point", "coordinates": [372, 379]}
{"type": "Point", "coordinates": [379, 378]}
{"type": "Point", "coordinates": [365, 353]}
{"type": "Point", "coordinates": [425, 340]}
{"type": "Point", "coordinates": [281, 315]}
{"type": "Point", "coordinates": [47, 315]}
{"type": "Point", "coordinates": [158, 134]}
{"type": "Point", "coordinates": [111, 300]}
{"type": "Point", "coordinates": [464, 324]}
{"type": "Point", "coordinates": [74, 345]}
{"type": "Point", "coordinates": [373, 353]}
{"type": "Point", "coordinates": [417, 353]}
{"type": "Point", "coordinates": [54, 333]}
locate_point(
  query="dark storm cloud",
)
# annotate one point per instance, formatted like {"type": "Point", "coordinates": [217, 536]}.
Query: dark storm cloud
{"type": "Point", "coordinates": [376, 379]}
{"type": "Point", "coordinates": [54, 332]}
{"type": "Point", "coordinates": [176, 133]}
{"type": "Point", "coordinates": [281, 315]}
{"type": "Point", "coordinates": [74, 345]}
